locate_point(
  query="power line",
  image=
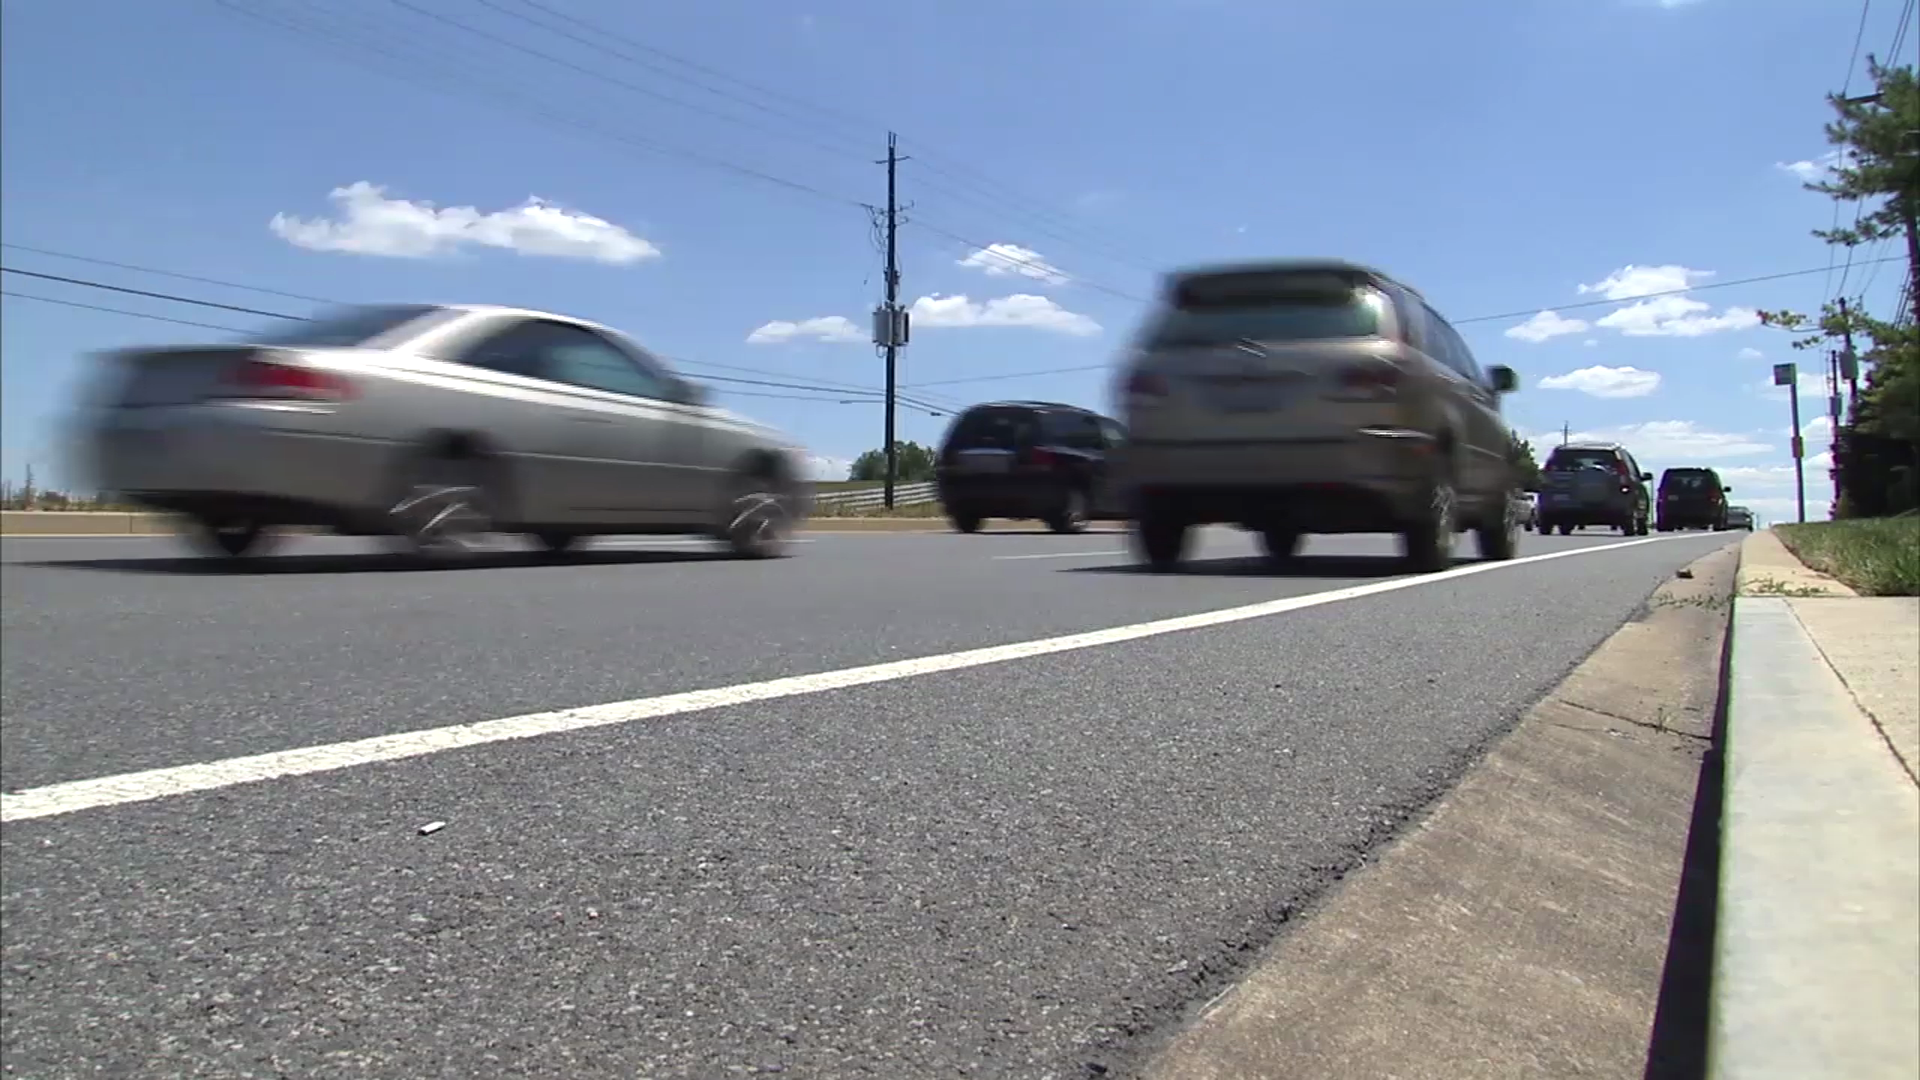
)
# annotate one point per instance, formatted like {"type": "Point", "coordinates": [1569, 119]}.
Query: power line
{"type": "Point", "coordinates": [410, 73]}
{"type": "Point", "coordinates": [177, 299]}
{"type": "Point", "coordinates": [1520, 314]}
{"type": "Point", "coordinates": [146, 293]}
{"type": "Point", "coordinates": [602, 32]}
{"type": "Point", "coordinates": [954, 170]}
{"type": "Point", "coordinates": [167, 273]}
{"type": "Point", "coordinates": [1517, 314]}
{"type": "Point", "coordinates": [119, 311]}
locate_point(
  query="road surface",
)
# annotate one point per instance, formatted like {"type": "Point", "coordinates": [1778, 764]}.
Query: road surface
{"type": "Point", "coordinates": [1028, 867]}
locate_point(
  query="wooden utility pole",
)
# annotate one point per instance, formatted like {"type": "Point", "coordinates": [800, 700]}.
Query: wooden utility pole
{"type": "Point", "coordinates": [890, 323]}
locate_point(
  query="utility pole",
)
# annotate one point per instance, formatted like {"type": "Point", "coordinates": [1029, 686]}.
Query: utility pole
{"type": "Point", "coordinates": [890, 330]}
{"type": "Point", "coordinates": [1849, 360]}
{"type": "Point", "coordinates": [1566, 434]}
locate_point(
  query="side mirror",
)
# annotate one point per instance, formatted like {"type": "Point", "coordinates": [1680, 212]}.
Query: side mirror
{"type": "Point", "coordinates": [1726, 491]}
{"type": "Point", "coordinates": [1505, 379]}
{"type": "Point", "coordinates": [1646, 478]}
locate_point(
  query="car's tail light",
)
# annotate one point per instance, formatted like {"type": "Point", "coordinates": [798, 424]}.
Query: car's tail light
{"type": "Point", "coordinates": [1040, 457]}
{"type": "Point", "coordinates": [1368, 382]}
{"type": "Point", "coordinates": [256, 378]}
{"type": "Point", "coordinates": [1146, 384]}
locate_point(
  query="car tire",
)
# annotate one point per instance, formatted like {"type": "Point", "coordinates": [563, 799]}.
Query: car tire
{"type": "Point", "coordinates": [1428, 542]}
{"type": "Point", "coordinates": [445, 511]}
{"type": "Point", "coordinates": [759, 517]}
{"type": "Point", "coordinates": [1280, 544]}
{"type": "Point", "coordinates": [1566, 529]}
{"type": "Point", "coordinates": [965, 520]}
{"type": "Point", "coordinates": [1070, 514]}
{"type": "Point", "coordinates": [1498, 539]}
{"type": "Point", "coordinates": [1160, 533]}
{"type": "Point", "coordinates": [231, 538]}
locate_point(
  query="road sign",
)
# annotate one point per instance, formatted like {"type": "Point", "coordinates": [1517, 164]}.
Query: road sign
{"type": "Point", "coordinates": [1785, 374]}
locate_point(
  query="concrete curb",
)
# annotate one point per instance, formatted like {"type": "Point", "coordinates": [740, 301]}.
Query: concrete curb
{"type": "Point", "coordinates": [1521, 928]}
{"type": "Point", "coordinates": [1814, 970]}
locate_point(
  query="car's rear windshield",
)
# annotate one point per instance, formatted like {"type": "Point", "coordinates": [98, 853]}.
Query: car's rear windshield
{"type": "Point", "coordinates": [992, 429]}
{"type": "Point", "coordinates": [1220, 309]}
{"type": "Point", "coordinates": [1571, 460]}
{"type": "Point", "coordinates": [345, 327]}
{"type": "Point", "coordinates": [1687, 479]}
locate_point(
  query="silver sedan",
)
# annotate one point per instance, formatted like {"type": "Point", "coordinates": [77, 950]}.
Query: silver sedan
{"type": "Point", "coordinates": [440, 424]}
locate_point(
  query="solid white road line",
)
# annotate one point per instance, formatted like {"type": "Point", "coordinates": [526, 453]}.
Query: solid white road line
{"type": "Point", "coordinates": [76, 795]}
{"type": "Point", "coordinates": [1059, 555]}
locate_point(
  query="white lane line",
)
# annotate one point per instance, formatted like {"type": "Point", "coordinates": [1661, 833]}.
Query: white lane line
{"type": "Point", "coordinates": [76, 795]}
{"type": "Point", "coordinates": [1060, 555]}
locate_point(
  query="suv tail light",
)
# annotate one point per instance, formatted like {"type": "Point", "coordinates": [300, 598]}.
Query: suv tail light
{"type": "Point", "coordinates": [256, 378]}
{"type": "Point", "coordinates": [1040, 457]}
{"type": "Point", "coordinates": [1368, 382]}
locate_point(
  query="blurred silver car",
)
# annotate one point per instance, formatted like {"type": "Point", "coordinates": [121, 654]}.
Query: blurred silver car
{"type": "Point", "coordinates": [441, 424]}
{"type": "Point", "coordinates": [1739, 517]}
{"type": "Point", "coordinates": [1312, 396]}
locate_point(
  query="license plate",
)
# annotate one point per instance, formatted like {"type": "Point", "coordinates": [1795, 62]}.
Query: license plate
{"type": "Point", "coordinates": [1250, 401]}
{"type": "Point", "coordinates": [983, 463]}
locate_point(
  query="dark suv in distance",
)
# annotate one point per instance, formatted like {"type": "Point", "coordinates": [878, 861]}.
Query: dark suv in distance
{"type": "Point", "coordinates": [1691, 498]}
{"type": "Point", "coordinates": [1028, 459]}
{"type": "Point", "coordinates": [1585, 484]}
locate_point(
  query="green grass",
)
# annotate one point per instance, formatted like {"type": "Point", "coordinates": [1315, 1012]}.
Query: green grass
{"type": "Point", "coordinates": [1875, 556]}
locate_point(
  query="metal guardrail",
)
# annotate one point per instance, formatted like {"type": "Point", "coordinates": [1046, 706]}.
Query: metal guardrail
{"type": "Point", "coordinates": [903, 495]}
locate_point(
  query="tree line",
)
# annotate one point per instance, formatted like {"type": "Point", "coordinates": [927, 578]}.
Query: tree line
{"type": "Point", "coordinates": [1876, 461]}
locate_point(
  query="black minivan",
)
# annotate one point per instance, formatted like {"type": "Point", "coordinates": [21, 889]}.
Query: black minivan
{"type": "Point", "coordinates": [1026, 460]}
{"type": "Point", "coordinates": [1691, 498]}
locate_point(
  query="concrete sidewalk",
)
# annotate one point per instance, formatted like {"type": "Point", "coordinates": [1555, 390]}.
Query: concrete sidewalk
{"type": "Point", "coordinates": [1817, 957]}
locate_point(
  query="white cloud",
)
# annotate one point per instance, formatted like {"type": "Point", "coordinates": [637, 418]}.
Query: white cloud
{"type": "Point", "coordinates": [1817, 427]}
{"type": "Point", "coordinates": [372, 224]}
{"type": "Point", "coordinates": [828, 328]}
{"type": "Point", "coordinates": [1591, 342]}
{"type": "Point", "coordinates": [1666, 440]}
{"type": "Point", "coordinates": [1631, 282]}
{"type": "Point", "coordinates": [1020, 309]}
{"type": "Point", "coordinates": [1544, 326]}
{"type": "Point", "coordinates": [1750, 353]}
{"type": "Point", "coordinates": [1605, 382]}
{"type": "Point", "coordinates": [1676, 316]}
{"type": "Point", "coordinates": [1658, 309]}
{"type": "Point", "coordinates": [1001, 260]}
{"type": "Point", "coordinates": [1811, 170]}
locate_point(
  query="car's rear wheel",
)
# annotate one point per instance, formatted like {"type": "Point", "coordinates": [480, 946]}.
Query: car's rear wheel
{"type": "Point", "coordinates": [446, 509]}
{"type": "Point", "coordinates": [229, 536]}
{"type": "Point", "coordinates": [965, 518]}
{"type": "Point", "coordinates": [1070, 515]}
{"type": "Point", "coordinates": [759, 520]}
{"type": "Point", "coordinates": [1160, 531]}
{"type": "Point", "coordinates": [1429, 541]}
{"type": "Point", "coordinates": [1498, 538]}
{"type": "Point", "coordinates": [1566, 529]}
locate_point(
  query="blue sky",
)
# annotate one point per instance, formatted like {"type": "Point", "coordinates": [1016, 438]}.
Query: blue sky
{"type": "Point", "coordinates": [1499, 155]}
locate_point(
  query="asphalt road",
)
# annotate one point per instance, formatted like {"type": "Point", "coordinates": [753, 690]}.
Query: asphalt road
{"type": "Point", "coordinates": [1024, 869]}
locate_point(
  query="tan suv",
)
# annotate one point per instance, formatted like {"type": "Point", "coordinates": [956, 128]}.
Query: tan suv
{"type": "Point", "coordinates": [1312, 397]}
